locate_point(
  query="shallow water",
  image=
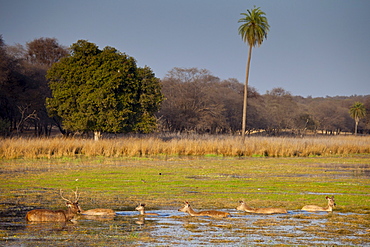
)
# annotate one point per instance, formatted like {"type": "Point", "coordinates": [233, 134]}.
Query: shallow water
{"type": "Point", "coordinates": [178, 229]}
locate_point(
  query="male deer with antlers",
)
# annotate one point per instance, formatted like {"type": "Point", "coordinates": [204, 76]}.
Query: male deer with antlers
{"type": "Point", "coordinates": [55, 215]}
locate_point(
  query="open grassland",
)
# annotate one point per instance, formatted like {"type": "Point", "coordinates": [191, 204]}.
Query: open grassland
{"type": "Point", "coordinates": [179, 146]}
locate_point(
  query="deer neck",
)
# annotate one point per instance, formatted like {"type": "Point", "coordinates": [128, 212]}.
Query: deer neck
{"type": "Point", "coordinates": [81, 210]}
{"type": "Point", "coordinates": [69, 214]}
{"type": "Point", "coordinates": [192, 212]}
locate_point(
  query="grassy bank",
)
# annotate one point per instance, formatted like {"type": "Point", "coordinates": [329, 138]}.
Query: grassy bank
{"type": "Point", "coordinates": [178, 146]}
{"type": "Point", "coordinates": [208, 182]}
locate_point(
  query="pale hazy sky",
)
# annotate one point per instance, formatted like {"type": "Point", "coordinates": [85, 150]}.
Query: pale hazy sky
{"type": "Point", "coordinates": [314, 48]}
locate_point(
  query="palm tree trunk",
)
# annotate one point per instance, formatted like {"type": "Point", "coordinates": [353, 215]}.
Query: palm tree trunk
{"type": "Point", "coordinates": [244, 123]}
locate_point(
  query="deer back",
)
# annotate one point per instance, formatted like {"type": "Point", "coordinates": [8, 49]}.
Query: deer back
{"type": "Point", "coordinates": [53, 215]}
{"type": "Point", "coordinates": [99, 212]}
{"type": "Point", "coordinates": [46, 215]}
{"type": "Point", "coordinates": [211, 213]}
{"type": "Point", "coordinates": [244, 207]}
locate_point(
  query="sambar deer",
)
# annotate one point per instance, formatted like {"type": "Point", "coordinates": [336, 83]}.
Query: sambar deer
{"type": "Point", "coordinates": [244, 207]}
{"type": "Point", "coordinates": [98, 212]}
{"type": "Point", "coordinates": [141, 209]}
{"type": "Point", "coordinates": [55, 215]}
{"type": "Point", "coordinates": [329, 208]}
{"type": "Point", "coordinates": [211, 213]}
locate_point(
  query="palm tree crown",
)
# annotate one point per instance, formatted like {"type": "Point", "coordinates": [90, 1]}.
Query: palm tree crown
{"type": "Point", "coordinates": [255, 27]}
{"type": "Point", "coordinates": [357, 111]}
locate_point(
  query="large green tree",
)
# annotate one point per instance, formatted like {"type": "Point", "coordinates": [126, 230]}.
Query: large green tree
{"type": "Point", "coordinates": [253, 31]}
{"type": "Point", "coordinates": [357, 111]}
{"type": "Point", "coordinates": [98, 91]}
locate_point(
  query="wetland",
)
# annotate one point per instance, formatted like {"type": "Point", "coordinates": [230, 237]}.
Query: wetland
{"type": "Point", "coordinates": [209, 183]}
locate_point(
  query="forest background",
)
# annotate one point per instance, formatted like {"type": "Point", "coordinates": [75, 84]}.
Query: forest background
{"type": "Point", "coordinates": [196, 101]}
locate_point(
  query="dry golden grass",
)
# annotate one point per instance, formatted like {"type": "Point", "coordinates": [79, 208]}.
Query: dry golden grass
{"type": "Point", "coordinates": [203, 145]}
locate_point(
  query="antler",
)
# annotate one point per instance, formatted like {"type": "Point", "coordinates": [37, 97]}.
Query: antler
{"type": "Point", "coordinates": [77, 196]}
{"type": "Point", "coordinates": [64, 197]}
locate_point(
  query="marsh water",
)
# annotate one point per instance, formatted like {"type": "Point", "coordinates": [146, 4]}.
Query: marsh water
{"type": "Point", "coordinates": [173, 228]}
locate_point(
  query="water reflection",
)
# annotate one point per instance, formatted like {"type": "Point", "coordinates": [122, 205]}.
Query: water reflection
{"type": "Point", "coordinates": [140, 221]}
{"type": "Point", "coordinates": [50, 226]}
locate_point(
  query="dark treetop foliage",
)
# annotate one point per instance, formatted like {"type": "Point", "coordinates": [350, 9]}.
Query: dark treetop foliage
{"type": "Point", "coordinates": [103, 91]}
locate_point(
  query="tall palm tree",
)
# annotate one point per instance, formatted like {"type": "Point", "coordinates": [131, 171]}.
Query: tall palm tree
{"type": "Point", "coordinates": [253, 30]}
{"type": "Point", "coordinates": [357, 111]}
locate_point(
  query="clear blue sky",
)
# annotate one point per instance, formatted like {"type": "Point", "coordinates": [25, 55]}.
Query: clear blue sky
{"type": "Point", "coordinates": [314, 48]}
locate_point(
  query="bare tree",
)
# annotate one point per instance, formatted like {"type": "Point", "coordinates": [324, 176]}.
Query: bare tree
{"type": "Point", "coordinates": [194, 101]}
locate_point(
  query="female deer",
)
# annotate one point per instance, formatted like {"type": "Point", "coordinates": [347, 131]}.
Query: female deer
{"type": "Point", "coordinates": [97, 211]}
{"type": "Point", "coordinates": [141, 209]}
{"type": "Point", "coordinates": [55, 215]}
{"type": "Point", "coordinates": [211, 213]}
{"type": "Point", "coordinates": [243, 207]}
{"type": "Point", "coordinates": [329, 208]}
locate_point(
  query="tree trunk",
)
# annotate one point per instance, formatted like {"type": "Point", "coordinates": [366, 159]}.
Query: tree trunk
{"type": "Point", "coordinates": [356, 124]}
{"type": "Point", "coordinates": [97, 135]}
{"type": "Point", "coordinates": [244, 122]}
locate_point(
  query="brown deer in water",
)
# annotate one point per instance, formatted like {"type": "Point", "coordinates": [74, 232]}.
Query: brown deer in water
{"type": "Point", "coordinates": [98, 212]}
{"type": "Point", "coordinates": [211, 213]}
{"type": "Point", "coordinates": [141, 209]}
{"type": "Point", "coordinates": [55, 215]}
{"type": "Point", "coordinates": [244, 207]}
{"type": "Point", "coordinates": [329, 208]}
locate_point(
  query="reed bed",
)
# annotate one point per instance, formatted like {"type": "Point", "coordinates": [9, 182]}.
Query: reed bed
{"type": "Point", "coordinates": [184, 146]}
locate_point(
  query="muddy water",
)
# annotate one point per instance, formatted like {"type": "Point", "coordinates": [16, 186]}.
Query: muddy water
{"type": "Point", "coordinates": [173, 228]}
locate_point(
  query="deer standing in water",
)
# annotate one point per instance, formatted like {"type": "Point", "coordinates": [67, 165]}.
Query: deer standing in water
{"type": "Point", "coordinates": [141, 209]}
{"type": "Point", "coordinates": [329, 208]}
{"type": "Point", "coordinates": [211, 213]}
{"type": "Point", "coordinates": [55, 215]}
{"type": "Point", "coordinates": [244, 207]}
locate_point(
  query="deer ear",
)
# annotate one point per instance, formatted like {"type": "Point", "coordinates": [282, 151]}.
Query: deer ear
{"type": "Point", "coordinates": [68, 204]}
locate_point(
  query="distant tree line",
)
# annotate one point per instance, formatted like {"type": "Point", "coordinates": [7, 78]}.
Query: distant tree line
{"type": "Point", "coordinates": [195, 101]}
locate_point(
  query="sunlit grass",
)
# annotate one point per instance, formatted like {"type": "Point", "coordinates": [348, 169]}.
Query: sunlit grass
{"type": "Point", "coordinates": [208, 146]}
{"type": "Point", "coordinates": [214, 182]}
